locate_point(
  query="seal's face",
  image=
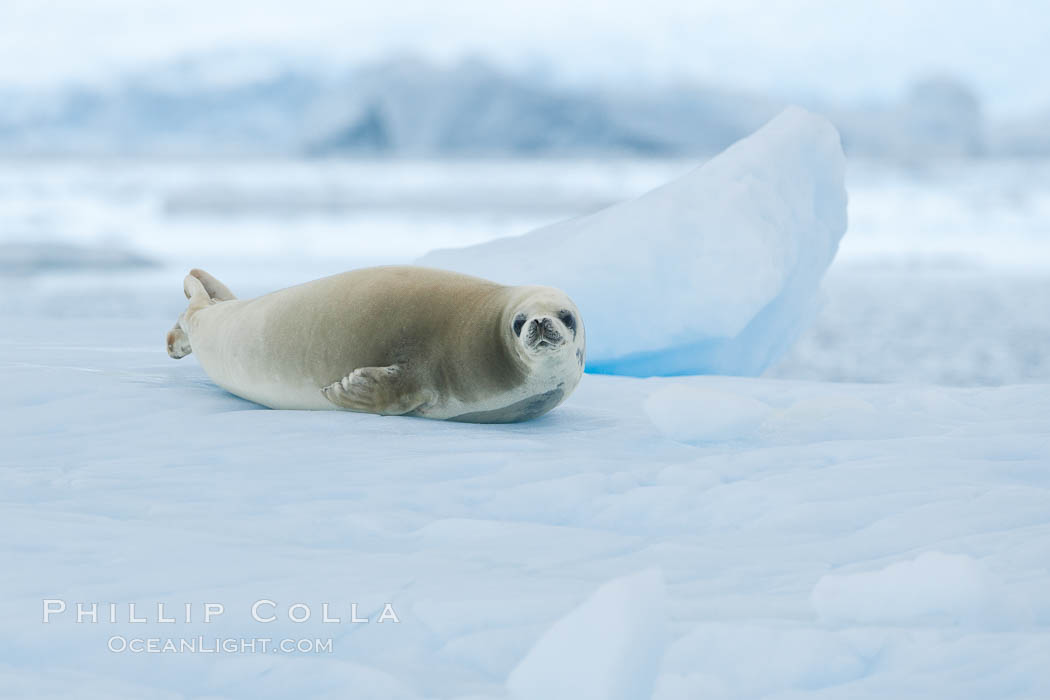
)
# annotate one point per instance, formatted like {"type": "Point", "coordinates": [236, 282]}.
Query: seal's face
{"type": "Point", "coordinates": [547, 328]}
{"type": "Point", "coordinates": [545, 333]}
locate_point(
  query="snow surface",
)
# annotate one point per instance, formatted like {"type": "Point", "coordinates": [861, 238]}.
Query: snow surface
{"type": "Point", "coordinates": [716, 272]}
{"type": "Point", "coordinates": [828, 540]}
{"type": "Point", "coordinates": [934, 584]}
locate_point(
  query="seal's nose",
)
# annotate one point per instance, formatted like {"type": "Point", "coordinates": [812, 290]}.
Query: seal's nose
{"type": "Point", "coordinates": [545, 330]}
{"type": "Point", "coordinates": [544, 325]}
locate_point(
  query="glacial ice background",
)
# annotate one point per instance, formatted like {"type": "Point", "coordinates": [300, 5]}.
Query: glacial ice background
{"type": "Point", "coordinates": [869, 518]}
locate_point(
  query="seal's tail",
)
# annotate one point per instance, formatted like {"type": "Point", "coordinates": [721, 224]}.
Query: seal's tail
{"type": "Point", "coordinates": [202, 290]}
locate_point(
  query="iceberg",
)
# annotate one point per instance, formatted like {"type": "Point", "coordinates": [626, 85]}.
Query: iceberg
{"type": "Point", "coordinates": [716, 272]}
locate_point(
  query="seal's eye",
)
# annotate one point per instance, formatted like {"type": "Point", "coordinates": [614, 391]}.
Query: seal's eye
{"type": "Point", "coordinates": [519, 323]}
{"type": "Point", "coordinates": [567, 318]}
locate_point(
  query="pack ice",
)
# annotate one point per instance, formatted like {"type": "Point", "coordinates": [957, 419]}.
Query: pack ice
{"type": "Point", "coordinates": [713, 273]}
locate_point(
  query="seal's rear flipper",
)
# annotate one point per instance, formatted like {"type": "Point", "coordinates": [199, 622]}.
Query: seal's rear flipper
{"type": "Point", "coordinates": [178, 343]}
{"type": "Point", "coordinates": [215, 289]}
{"type": "Point", "coordinates": [382, 390]}
{"type": "Point", "coordinates": [202, 290]}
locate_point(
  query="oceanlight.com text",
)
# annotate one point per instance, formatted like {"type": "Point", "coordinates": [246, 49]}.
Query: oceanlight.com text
{"type": "Point", "coordinates": [119, 644]}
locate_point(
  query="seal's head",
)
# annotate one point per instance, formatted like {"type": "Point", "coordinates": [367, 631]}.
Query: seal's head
{"type": "Point", "coordinates": [546, 328]}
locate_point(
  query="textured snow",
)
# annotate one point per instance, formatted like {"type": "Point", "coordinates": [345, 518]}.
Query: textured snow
{"type": "Point", "coordinates": [933, 584]}
{"type": "Point", "coordinates": [609, 648]}
{"type": "Point", "coordinates": [836, 540]}
{"type": "Point", "coordinates": [716, 272]}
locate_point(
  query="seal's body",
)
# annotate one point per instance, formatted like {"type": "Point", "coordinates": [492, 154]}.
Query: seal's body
{"type": "Point", "coordinates": [389, 340]}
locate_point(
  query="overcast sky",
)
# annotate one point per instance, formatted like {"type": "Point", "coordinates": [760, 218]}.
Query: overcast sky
{"type": "Point", "coordinates": [837, 49]}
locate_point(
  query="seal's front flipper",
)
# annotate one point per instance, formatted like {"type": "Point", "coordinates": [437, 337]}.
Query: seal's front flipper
{"type": "Point", "coordinates": [382, 390]}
